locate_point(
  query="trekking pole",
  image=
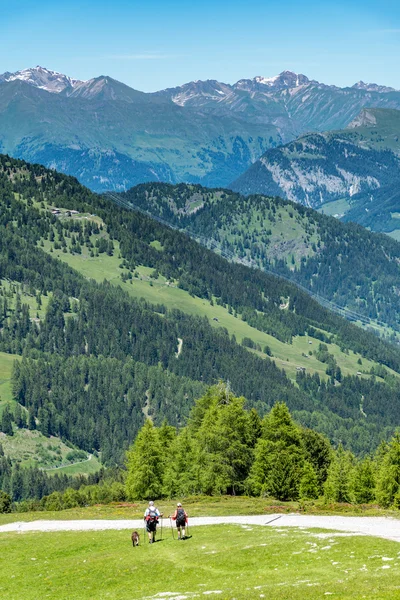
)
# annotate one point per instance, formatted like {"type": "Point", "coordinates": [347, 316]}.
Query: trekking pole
{"type": "Point", "coordinates": [187, 528]}
{"type": "Point", "coordinates": [172, 529]}
{"type": "Point", "coordinates": [161, 527]}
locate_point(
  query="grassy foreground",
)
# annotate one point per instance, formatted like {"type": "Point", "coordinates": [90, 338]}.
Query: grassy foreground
{"type": "Point", "coordinates": [228, 562]}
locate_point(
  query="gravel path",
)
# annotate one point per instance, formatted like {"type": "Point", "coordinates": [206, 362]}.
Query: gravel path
{"type": "Point", "coordinates": [383, 527]}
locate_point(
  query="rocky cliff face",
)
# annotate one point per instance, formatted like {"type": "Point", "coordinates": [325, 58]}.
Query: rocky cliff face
{"type": "Point", "coordinates": [320, 168]}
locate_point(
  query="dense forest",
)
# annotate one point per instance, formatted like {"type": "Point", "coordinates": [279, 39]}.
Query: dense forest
{"type": "Point", "coordinates": [343, 263]}
{"type": "Point", "coordinates": [224, 449]}
{"type": "Point", "coordinates": [98, 362]}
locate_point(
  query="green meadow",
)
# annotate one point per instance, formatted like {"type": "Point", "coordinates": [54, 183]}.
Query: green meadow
{"type": "Point", "coordinates": [6, 364]}
{"type": "Point", "coordinates": [160, 291]}
{"type": "Point", "coordinates": [224, 561]}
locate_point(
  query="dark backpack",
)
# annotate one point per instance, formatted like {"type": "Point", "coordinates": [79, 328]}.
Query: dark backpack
{"type": "Point", "coordinates": [180, 516]}
{"type": "Point", "coordinates": [153, 515]}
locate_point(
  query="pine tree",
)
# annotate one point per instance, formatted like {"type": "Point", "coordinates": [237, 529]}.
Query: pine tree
{"type": "Point", "coordinates": [284, 476]}
{"type": "Point", "coordinates": [17, 483]}
{"type": "Point", "coordinates": [166, 435]}
{"type": "Point", "coordinates": [224, 443]}
{"type": "Point", "coordinates": [279, 457]}
{"type": "Point", "coordinates": [362, 481]}
{"type": "Point", "coordinates": [6, 421]}
{"type": "Point", "coordinates": [388, 481]}
{"type": "Point", "coordinates": [255, 426]}
{"type": "Point", "coordinates": [145, 465]}
{"type": "Point", "coordinates": [181, 475]}
{"type": "Point", "coordinates": [309, 486]}
{"type": "Point", "coordinates": [19, 416]}
{"type": "Point", "coordinates": [5, 502]}
{"type": "Point", "coordinates": [318, 452]}
{"type": "Point", "coordinates": [337, 485]}
{"type": "Point", "coordinates": [31, 420]}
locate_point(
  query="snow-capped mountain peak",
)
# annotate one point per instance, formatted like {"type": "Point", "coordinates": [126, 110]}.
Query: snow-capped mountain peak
{"type": "Point", "coordinates": [285, 80]}
{"type": "Point", "coordinates": [42, 78]}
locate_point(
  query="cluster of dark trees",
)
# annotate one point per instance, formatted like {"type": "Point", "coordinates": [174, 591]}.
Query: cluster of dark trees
{"type": "Point", "coordinates": [100, 359]}
{"type": "Point", "coordinates": [226, 449]}
{"type": "Point", "coordinates": [99, 403]}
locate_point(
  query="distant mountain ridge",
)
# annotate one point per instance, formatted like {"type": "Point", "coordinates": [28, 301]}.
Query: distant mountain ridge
{"type": "Point", "coordinates": [111, 136]}
{"type": "Point", "coordinates": [355, 165]}
{"type": "Point", "coordinates": [42, 77]}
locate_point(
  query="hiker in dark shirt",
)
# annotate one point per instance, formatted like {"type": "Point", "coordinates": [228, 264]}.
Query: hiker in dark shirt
{"type": "Point", "coordinates": [180, 517]}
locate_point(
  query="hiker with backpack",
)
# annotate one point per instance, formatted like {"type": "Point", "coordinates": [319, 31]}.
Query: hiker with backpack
{"type": "Point", "coordinates": [181, 518]}
{"type": "Point", "coordinates": [151, 516]}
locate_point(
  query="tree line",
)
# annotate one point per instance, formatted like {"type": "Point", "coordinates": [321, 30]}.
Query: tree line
{"type": "Point", "coordinates": [226, 449]}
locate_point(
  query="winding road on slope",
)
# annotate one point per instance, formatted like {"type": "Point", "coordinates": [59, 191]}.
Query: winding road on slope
{"type": "Point", "coordinates": [383, 527]}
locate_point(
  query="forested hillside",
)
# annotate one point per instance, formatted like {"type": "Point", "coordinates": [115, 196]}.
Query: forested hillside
{"type": "Point", "coordinates": [97, 360]}
{"type": "Point", "coordinates": [351, 173]}
{"type": "Point", "coordinates": [344, 264]}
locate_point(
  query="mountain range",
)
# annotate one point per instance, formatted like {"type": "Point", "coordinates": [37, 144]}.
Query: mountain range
{"type": "Point", "coordinates": [111, 136]}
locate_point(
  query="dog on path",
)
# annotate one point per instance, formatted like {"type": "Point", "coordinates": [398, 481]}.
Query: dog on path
{"type": "Point", "coordinates": [135, 538]}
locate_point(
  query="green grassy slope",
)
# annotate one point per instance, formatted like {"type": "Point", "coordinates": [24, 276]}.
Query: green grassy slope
{"type": "Point", "coordinates": [290, 357]}
{"type": "Point", "coordinates": [223, 561]}
{"type": "Point", "coordinates": [32, 448]}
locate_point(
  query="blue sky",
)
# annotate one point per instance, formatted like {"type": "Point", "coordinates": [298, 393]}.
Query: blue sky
{"type": "Point", "coordinates": [153, 44]}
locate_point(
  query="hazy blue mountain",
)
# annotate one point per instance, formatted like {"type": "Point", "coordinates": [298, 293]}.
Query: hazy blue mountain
{"type": "Point", "coordinates": [112, 136]}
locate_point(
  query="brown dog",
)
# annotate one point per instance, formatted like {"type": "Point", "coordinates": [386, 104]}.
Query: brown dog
{"type": "Point", "coordinates": [135, 538]}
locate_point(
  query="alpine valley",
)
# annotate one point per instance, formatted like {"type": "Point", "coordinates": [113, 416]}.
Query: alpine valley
{"type": "Point", "coordinates": [111, 136]}
{"type": "Point", "coordinates": [122, 306]}
{"type": "Point", "coordinates": [109, 317]}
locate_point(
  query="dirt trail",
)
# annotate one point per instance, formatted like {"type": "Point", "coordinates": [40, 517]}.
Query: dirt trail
{"type": "Point", "coordinates": [383, 527]}
{"type": "Point", "coordinates": [180, 343]}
